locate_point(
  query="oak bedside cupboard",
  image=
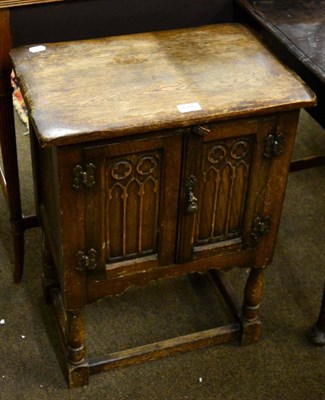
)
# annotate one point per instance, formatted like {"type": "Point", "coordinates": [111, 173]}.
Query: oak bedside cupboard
{"type": "Point", "coordinates": [157, 155]}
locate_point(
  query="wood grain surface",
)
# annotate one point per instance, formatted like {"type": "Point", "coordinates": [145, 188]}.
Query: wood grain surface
{"type": "Point", "coordinates": [131, 84]}
{"type": "Point", "coordinates": [298, 24]}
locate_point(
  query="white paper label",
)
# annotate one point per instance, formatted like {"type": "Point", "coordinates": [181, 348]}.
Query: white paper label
{"type": "Point", "coordinates": [184, 108]}
{"type": "Point", "coordinates": [37, 49]}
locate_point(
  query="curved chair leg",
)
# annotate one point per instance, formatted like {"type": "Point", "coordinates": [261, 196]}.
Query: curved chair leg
{"type": "Point", "coordinates": [9, 176]}
{"type": "Point", "coordinates": [317, 333]}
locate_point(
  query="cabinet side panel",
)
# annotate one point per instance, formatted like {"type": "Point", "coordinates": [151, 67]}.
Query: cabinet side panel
{"type": "Point", "coordinates": [49, 206]}
{"type": "Point", "coordinates": [276, 185]}
{"type": "Point", "coordinates": [72, 236]}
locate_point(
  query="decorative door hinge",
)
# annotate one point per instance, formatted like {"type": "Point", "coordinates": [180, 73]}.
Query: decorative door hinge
{"type": "Point", "coordinates": [261, 227]}
{"type": "Point", "coordinates": [83, 176]}
{"type": "Point", "coordinates": [86, 262]}
{"type": "Point", "coordinates": [274, 145]}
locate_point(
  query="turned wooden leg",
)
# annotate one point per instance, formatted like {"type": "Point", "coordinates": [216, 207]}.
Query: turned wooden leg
{"type": "Point", "coordinates": [252, 298]}
{"type": "Point", "coordinates": [78, 372]}
{"type": "Point", "coordinates": [317, 333]}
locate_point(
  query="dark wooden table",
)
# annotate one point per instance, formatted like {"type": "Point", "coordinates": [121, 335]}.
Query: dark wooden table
{"type": "Point", "coordinates": [295, 31]}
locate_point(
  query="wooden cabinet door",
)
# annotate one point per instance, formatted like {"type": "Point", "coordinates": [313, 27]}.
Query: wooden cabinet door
{"type": "Point", "coordinates": [223, 187]}
{"type": "Point", "coordinates": [131, 211]}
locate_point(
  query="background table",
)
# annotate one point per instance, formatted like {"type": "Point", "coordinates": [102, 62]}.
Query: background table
{"type": "Point", "coordinates": [295, 31]}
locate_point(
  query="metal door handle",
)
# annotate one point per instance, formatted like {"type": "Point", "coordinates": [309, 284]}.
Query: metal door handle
{"type": "Point", "coordinates": [190, 199]}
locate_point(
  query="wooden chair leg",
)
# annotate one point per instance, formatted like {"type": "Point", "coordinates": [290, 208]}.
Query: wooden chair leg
{"type": "Point", "coordinates": [10, 174]}
{"type": "Point", "coordinates": [317, 333]}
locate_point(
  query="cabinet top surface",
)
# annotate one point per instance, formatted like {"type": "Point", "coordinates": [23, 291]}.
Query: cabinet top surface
{"type": "Point", "coordinates": [91, 89]}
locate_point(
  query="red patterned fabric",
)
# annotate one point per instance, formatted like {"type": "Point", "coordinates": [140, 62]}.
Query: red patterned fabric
{"type": "Point", "coordinates": [18, 100]}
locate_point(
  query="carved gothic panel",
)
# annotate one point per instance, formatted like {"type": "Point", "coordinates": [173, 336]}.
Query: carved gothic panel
{"type": "Point", "coordinates": [132, 205]}
{"type": "Point", "coordinates": [225, 172]}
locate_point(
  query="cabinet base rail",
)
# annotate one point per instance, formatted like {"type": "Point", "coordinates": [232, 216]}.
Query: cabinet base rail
{"type": "Point", "coordinates": [78, 372]}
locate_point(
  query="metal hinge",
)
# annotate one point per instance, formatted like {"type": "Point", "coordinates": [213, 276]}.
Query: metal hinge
{"type": "Point", "coordinates": [261, 227]}
{"type": "Point", "coordinates": [274, 145]}
{"type": "Point", "coordinates": [86, 262]}
{"type": "Point", "coordinates": [83, 176]}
